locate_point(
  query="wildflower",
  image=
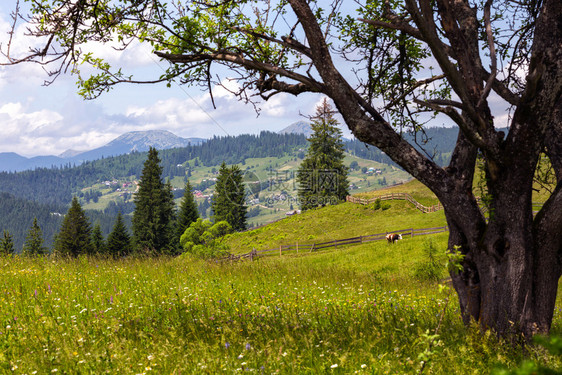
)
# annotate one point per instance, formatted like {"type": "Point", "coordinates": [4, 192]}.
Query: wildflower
{"type": "Point", "coordinates": [226, 345]}
{"type": "Point", "coordinates": [363, 365]}
{"type": "Point", "coordinates": [335, 365]}
{"type": "Point", "coordinates": [248, 346]}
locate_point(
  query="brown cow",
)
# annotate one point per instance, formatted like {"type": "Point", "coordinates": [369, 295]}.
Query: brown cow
{"type": "Point", "coordinates": [393, 237]}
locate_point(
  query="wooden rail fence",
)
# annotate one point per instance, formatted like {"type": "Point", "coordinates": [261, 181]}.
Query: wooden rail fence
{"type": "Point", "coordinates": [393, 196]}
{"type": "Point", "coordinates": [296, 248]}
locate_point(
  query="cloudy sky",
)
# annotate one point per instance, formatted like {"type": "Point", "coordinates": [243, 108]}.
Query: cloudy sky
{"type": "Point", "coordinates": [48, 120]}
{"type": "Point", "coordinates": [39, 120]}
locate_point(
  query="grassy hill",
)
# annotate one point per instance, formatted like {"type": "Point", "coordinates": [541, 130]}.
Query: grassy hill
{"type": "Point", "coordinates": [335, 222]}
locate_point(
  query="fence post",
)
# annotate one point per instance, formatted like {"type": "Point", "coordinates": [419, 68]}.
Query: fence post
{"type": "Point", "coordinates": [297, 247]}
{"type": "Point", "coordinates": [280, 250]}
{"type": "Point", "coordinates": [412, 232]}
{"type": "Point", "coordinates": [361, 238]}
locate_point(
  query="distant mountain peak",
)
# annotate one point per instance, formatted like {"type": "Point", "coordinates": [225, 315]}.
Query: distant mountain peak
{"type": "Point", "coordinates": [69, 154]}
{"type": "Point", "coordinates": [143, 140]}
{"type": "Point", "coordinates": [299, 127]}
{"type": "Point", "coordinates": [133, 141]}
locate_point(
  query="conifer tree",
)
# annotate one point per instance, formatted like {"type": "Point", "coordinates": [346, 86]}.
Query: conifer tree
{"type": "Point", "coordinates": [74, 237]}
{"type": "Point", "coordinates": [153, 218]}
{"type": "Point", "coordinates": [34, 241]}
{"type": "Point", "coordinates": [188, 212]}
{"type": "Point", "coordinates": [119, 241]}
{"type": "Point", "coordinates": [229, 200]}
{"type": "Point", "coordinates": [98, 242]}
{"type": "Point", "coordinates": [7, 244]}
{"type": "Point", "coordinates": [322, 176]}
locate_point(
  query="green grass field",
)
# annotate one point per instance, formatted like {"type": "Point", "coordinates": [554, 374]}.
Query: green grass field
{"type": "Point", "coordinates": [335, 222]}
{"type": "Point", "coordinates": [366, 309]}
{"type": "Point", "coordinates": [355, 310]}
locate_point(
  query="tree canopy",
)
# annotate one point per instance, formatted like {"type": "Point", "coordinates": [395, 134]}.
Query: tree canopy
{"type": "Point", "coordinates": [322, 176]}
{"type": "Point", "coordinates": [229, 199]}
{"type": "Point", "coordinates": [34, 241]}
{"type": "Point", "coordinates": [188, 212]}
{"type": "Point", "coordinates": [119, 241]}
{"type": "Point", "coordinates": [74, 237]}
{"type": "Point", "coordinates": [154, 215]}
{"type": "Point", "coordinates": [388, 66]}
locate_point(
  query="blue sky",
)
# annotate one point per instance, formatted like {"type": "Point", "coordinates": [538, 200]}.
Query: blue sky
{"type": "Point", "coordinates": [39, 120]}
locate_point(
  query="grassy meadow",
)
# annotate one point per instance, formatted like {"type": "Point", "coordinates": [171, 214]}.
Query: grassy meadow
{"type": "Point", "coordinates": [363, 309]}
{"type": "Point", "coordinates": [374, 308]}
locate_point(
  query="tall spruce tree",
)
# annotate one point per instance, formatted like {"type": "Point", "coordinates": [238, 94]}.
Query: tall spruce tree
{"type": "Point", "coordinates": [153, 218]}
{"type": "Point", "coordinates": [229, 200]}
{"type": "Point", "coordinates": [34, 241]}
{"type": "Point", "coordinates": [119, 241]}
{"type": "Point", "coordinates": [188, 212]}
{"type": "Point", "coordinates": [322, 176]}
{"type": "Point", "coordinates": [74, 237]}
{"type": "Point", "coordinates": [7, 244]}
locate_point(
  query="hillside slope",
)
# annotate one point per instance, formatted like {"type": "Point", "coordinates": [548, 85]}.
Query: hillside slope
{"type": "Point", "coordinates": [330, 223]}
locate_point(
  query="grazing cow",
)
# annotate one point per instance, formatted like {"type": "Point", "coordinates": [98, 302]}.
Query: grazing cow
{"type": "Point", "coordinates": [393, 237]}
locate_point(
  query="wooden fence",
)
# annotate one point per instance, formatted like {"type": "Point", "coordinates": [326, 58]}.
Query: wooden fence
{"type": "Point", "coordinates": [300, 248]}
{"type": "Point", "coordinates": [401, 196]}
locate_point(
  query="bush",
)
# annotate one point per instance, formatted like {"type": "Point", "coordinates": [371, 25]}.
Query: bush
{"type": "Point", "coordinates": [203, 239]}
{"type": "Point", "coordinates": [375, 205]}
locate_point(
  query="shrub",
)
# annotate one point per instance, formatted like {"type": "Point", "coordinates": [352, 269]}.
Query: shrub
{"type": "Point", "coordinates": [204, 239]}
{"type": "Point", "coordinates": [429, 269]}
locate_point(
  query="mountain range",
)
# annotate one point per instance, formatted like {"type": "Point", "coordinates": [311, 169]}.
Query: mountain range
{"type": "Point", "coordinates": [124, 144]}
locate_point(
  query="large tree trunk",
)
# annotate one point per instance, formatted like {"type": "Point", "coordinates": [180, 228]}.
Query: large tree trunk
{"type": "Point", "coordinates": [511, 266]}
{"type": "Point", "coordinates": [510, 271]}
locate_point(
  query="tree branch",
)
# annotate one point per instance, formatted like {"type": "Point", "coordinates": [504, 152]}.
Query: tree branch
{"type": "Point", "coordinates": [306, 83]}
{"type": "Point", "coordinates": [493, 56]}
{"type": "Point", "coordinates": [285, 41]}
{"type": "Point", "coordinates": [474, 137]}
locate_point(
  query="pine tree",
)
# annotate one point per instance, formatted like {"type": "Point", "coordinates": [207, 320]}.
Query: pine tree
{"type": "Point", "coordinates": [7, 244]}
{"type": "Point", "coordinates": [188, 212]}
{"type": "Point", "coordinates": [34, 241]}
{"type": "Point", "coordinates": [322, 175]}
{"type": "Point", "coordinates": [229, 200]}
{"type": "Point", "coordinates": [74, 237]}
{"type": "Point", "coordinates": [119, 241]}
{"type": "Point", "coordinates": [98, 242]}
{"type": "Point", "coordinates": [153, 218]}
